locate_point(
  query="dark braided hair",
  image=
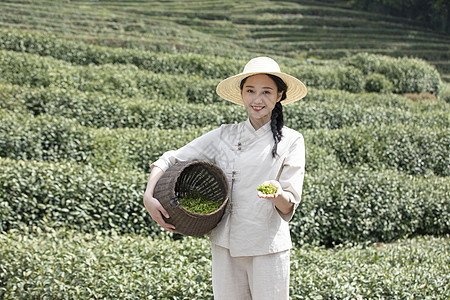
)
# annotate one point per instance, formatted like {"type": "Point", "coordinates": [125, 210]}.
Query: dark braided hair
{"type": "Point", "coordinates": [276, 124]}
{"type": "Point", "coordinates": [277, 120]}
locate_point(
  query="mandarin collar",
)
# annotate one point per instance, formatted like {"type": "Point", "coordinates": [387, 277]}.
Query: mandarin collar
{"type": "Point", "coordinates": [249, 132]}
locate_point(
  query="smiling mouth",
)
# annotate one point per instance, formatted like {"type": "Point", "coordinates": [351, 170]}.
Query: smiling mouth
{"type": "Point", "coordinates": [257, 108]}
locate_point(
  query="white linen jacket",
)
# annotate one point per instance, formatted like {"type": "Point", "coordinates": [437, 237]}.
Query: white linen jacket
{"type": "Point", "coordinates": [250, 225]}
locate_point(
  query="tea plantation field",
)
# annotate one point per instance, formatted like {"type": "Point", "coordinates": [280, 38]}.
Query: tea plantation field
{"type": "Point", "coordinates": [91, 92]}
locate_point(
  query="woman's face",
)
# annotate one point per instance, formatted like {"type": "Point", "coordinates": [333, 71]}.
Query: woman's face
{"type": "Point", "coordinates": [260, 94]}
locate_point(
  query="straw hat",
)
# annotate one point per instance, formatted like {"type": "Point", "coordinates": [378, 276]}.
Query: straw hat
{"type": "Point", "coordinates": [229, 89]}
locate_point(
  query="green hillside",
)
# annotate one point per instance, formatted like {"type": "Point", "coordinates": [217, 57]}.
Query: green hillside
{"type": "Point", "coordinates": [91, 92]}
{"type": "Point", "coordinates": [293, 29]}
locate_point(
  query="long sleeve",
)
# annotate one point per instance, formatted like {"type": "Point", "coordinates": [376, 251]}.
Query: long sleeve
{"type": "Point", "coordinates": [292, 174]}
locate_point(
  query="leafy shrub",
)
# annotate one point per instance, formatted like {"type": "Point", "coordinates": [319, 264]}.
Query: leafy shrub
{"type": "Point", "coordinates": [47, 138]}
{"type": "Point", "coordinates": [324, 109]}
{"type": "Point", "coordinates": [43, 138]}
{"type": "Point", "coordinates": [342, 205]}
{"type": "Point", "coordinates": [118, 80]}
{"type": "Point", "coordinates": [405, 269]}
{"type": "Point", "coordinates": [80, 53]}
{"type": "Point", "coordinates": [343, 113]}
{"type": "Point", "coordinates": [68, 264]}
{"type": "Point", "coordinates": [339, 205]}
{"type": "Point", "coordinates": [362, 99]}
{"type": "Point", "coordinates": [319, 159]}
{"type": "Point", "coordinates": [10, 99]}
{"type": "Point", "coordinates": [445, 94]}
{"type": "Point", "coordinates": [73, 196]}
{"type": "Point", "coordinates": [135, 149]}
{"type": "Point", "coordinates": [96, 109]}
{"type": "Point", "coordinates": [350, 79]}
{"type": "Point", "coordinates": [71, 265]}
{"type": "Point", "coordinates": [378, 83]}
{"type": "Point", "coordinates": [383, 102]}
{"type": "Point", "coordinates": [410, 149]}
{"type": "Point", "coordinates": [332, 76]}
{"type": "Point", "coordinates": [408, 75]}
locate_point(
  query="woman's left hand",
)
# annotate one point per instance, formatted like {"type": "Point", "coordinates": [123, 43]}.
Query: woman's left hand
{"type": "Point", "coordinates": [277, 185]}
{"type": "Point", "coordinates": [280, 198]}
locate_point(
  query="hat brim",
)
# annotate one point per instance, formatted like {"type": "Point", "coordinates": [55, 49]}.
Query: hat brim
{"type": "Point", "coordinates": [230, 90]}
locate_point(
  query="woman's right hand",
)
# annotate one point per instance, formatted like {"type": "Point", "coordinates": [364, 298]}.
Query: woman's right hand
{"type": "Point", "coordinates": [156, 211]}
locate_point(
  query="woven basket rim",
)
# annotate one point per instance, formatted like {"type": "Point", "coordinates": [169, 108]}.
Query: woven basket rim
{"type": "Point", "coordinates": [188, 222]}
{"type": "Point", "coordinates": [224, 202]}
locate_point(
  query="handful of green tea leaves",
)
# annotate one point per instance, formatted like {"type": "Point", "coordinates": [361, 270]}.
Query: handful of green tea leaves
{"type": "Point", "coordinates": [267, 189]}
{"type": "Point", "coordinates": [198, 203]}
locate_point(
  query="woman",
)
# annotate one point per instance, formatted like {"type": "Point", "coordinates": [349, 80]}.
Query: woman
{"type": "Point", "coordinates": [250, 245]}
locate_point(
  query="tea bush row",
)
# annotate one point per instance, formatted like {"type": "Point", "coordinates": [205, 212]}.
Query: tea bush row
{"type": "Point", "coordinates": [23, 136]}
{"type": "Point", "coordinates": [309, 10]}
{"type": "Point", "coordinates": [373, 73]}
{"type": "Point", "coordinates": [332, 76]}
{"type": "Point", "coordinates": [318, 32]}
{"type": "Point", "coordinates": [340, 115]}
{"type": "Point", "coordinates": [338, 110]}
{"type": "Point", "coordinates": [189, 64]}
{"type": "Point", "coordinates": [66, 264]}
{"type": "Point", "coordinates": [402, 270]}
{"type": "Point", "coordinates": [357, 205]}
{"type": "Point", "coordinates": [408, 148]}
{"type": "Point", "coordinates": [382, 101]}
{"type": "Point", "coordinates": [411, 149]}
{"type": "Point", "coordinates": [118, 80]}
{"type": "Point", "coordinates": [72, 196]}
{"type": "Point", "coordinates": [135, 149]}
{"type": "Point", "coordinates": [55, 139]}
{"type": "Point", "coordinates": [129, 81]}
{"type": "Point", "coordinates": [72, 265]}
{"type": "Point", "coordinates": [80, 53]}
{"type": "Point", "coordinates": [405, 74]}
{"type": "Point", "coordinates": [263, 20]}
{"type": "Point", "coordinates": [156, 35]}
{"type": "Point", "coordinates": [96, 109]}
{"type": "Point", "coordinates": [339, 205]}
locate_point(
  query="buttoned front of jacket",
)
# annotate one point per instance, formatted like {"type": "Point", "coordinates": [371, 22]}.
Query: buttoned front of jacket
{"type": "Point", "coordinates": [250, 225]}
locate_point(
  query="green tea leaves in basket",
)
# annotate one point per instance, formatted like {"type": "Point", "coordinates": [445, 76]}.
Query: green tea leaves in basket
{"type": "Point", "coordinates": [198, 203]}
{"type": "Point", "coordinates": [267, 189]}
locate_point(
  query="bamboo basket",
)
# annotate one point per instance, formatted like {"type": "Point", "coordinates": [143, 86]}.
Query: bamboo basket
{"type": "Point", "coordinates": [184, 177]}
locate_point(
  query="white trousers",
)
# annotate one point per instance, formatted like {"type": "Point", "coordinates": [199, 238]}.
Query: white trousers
{"type": "Point", "coordinates": [250, 277]}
